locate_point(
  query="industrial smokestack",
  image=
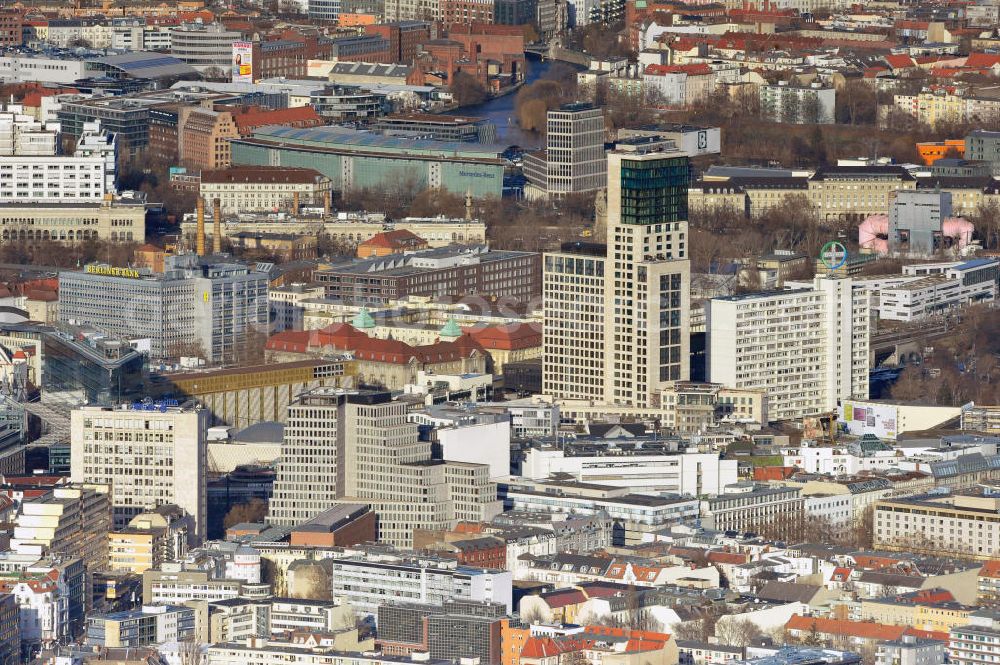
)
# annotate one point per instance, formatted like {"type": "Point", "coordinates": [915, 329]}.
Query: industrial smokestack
{"type": "Point", "coordinates": [216, 226]}
{"type": "Point", "coordinates": [201, 227]}
{"type": "Point", "coordinates": [326, 204]}
{"type": "Point", "coordinates": [295, 203]}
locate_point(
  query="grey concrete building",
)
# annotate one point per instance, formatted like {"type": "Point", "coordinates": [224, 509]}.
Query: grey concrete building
{"type": "Point", "coordinates": [195, 307]}
{"type": "Point", "coordinates": [984, 146]}
{"type": "Point", "coordinates": [915, 220]}
{"type": "Point", "coordinates": [574, 159]}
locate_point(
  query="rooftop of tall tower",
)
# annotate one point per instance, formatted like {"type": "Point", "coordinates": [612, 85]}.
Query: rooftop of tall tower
{"type": "Point", "coordinates": [647, 144]}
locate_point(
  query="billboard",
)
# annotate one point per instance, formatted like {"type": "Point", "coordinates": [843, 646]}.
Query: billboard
{"type": "Point", "coordinates": [242, 62]}
{"type": "Point", "coordinates": [869, 418]}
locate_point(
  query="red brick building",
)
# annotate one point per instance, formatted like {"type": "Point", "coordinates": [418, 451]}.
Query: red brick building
{"type": "Point", "coordinates": [288, 53]}
{"type": "Point", "coordinates": [466, 12]}
{"type": "Point", "coordinates": [10, 28]}
{"type": "Point", "coordinates": [251, 118]}
{"type": "Point", "coordinates": [404, 37]}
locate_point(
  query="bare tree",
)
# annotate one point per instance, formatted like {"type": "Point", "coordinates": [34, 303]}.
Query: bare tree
{"type": "Point", "coordinates": [736, 632]}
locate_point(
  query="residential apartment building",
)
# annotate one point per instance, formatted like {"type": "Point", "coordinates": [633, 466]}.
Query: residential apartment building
{"type": "Point", "coordinates": [976, 642]}
{"type": "Point", "coordinates": [195, 307]}
{"type": "Point", "coordinates": [808, 347]}
{"type": "Point", "coordinates": [148, 626]}
{"type": "Point", "coordinates": [812, 104]}
{"type": "Point", "coordinates": [148, 457]}
{"type": "Point", "coordinates": [171, 584]}
{"type": "Point", "coordinates": [984, 146]}
{"type": "Point", "coordinates": [67, 520]}
{"type": "Point", "coordinates": [981, 418]}
{"type": "Point", "coordinates": [367, 582]}
{"type": "Point", "coordinates": [356, 447]}
{"type": "Point", "coordinates": [645, 277]}
{"type": "Point", "coordinates": [749, 507]}
{"type": "Point", "coordinates": [965, 525]}
{"type": "Point", "coordinates": [934, 106]}
{"type": "Point", "coordinates": [241, 189]}
{"type": "Point", "coordinates": [574, 158]}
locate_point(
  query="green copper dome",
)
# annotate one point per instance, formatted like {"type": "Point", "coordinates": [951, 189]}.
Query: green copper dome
{"type": "Point", "coordinates": [363, 320]}
{"type": "Point", "coordinates": [451, 329]}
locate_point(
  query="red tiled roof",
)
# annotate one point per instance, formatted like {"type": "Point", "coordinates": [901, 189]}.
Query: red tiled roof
{"type": "Point", "coordinates": [728, 557]}
{"type": "Point", "coordinates": [507, 337]}
{"type": "Point", "coordinates": [900, 61]}
{"type": "Point", "coordinates": [977, 60]}
{"type": "Point", "coordinates": [564, 597]}
{"type": "Point", "coordinates": [868, 630]}
{"type": "Point", "coordinates": [400, 238]}
{"type": "Point", "coordinates": [253, 117]}
{"type": "Point", "coordinates": [344, 337]}
{"type": "Point", "coordinates": [990, 569]}
{"type": "Point", "coordinates": [841, 574]}
{"type": "Point", "coordinates": [690, 70]}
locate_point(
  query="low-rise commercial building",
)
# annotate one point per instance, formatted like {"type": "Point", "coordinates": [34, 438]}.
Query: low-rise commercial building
{"type": "Point", "coordinates": [965, 525]}
{"type": "Point", "coordinates": [242, 189]}
{"type": "Point", "coordinates": [354, 159]}
{"type": "Point", "coordinates": [150, 625]}
{"type": "Point", "coordinates": [472, 270]}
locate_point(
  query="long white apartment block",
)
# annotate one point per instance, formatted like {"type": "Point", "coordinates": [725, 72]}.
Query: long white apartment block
{"type": "Point", "coordinates": [808, 348]}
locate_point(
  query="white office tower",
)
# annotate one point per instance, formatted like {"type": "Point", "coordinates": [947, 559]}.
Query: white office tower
{"type": "Point", "coordinates": [310, 473]}
{"type": "Point", "coordinates": [617, 317]}
{"type": "Point", "coordinates": [807, 347]}
{"type": "Point", "coordinates": [357, 447]}
{"type": "Point", "coordinates": [151, 455]}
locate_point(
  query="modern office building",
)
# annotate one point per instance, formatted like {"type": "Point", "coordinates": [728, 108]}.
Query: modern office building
{"type": "Point", "coordinates": [574, 159]}
{"type": "Point", "coordinates": [86, 176]}
{"type": "Point", "coordinates": [10, 633]}
{"type": "Point", "coordinates": [645, 279]}
{"type": "Point", "coordinates": [940, 287]}
{"type": "Point", "coordinates": [982, 145]}
{"type": "Point", "coordinates": [151, 455]}
{"type": "Point", "coordinates": [204, 46]}
{"type": "Point", "coordinates": [438, 127]}
{"type": "Point", "coordinates": [195, 307]}
{"type": "Point", "coordinates": [648, 467]}
{"type": "Point", "coordinates": [366, 582]}
{"type": "Point", "coordinates": [455, 629]}
{"type": "Point", "coordinates": [150, 625]}
{"type": "Point", "coordinates": [357, 447]}
{"type": "Point", "coordinates": [337, 103]}
{"type": "Point", "coordinates": [807, 347]}
{"type": "Point", "coordinates": [456, 271]}
{"type": "Point", "coordinates": [355, 159]}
